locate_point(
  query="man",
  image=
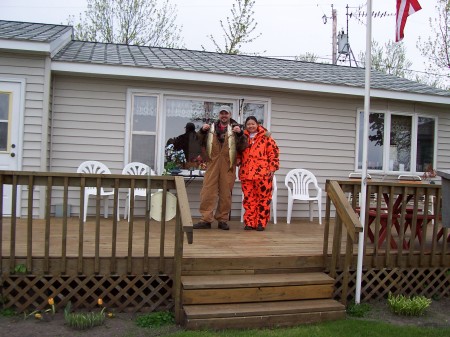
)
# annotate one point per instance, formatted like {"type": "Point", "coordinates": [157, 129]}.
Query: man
{"type": "Point", "coordinates": [223, 139]}
{"type": "Point", "coordinates": [188, 142]}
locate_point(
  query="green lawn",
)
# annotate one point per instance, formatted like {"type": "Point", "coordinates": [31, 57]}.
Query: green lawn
{"type": "Point", "coordinates": [342, 328]}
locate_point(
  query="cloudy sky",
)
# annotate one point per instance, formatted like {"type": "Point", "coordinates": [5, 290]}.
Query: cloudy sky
{"type": "Point", "coordinates": [288, 27]}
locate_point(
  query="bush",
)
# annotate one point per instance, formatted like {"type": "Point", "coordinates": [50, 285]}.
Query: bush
{"type": "Point", "coordinates": [7, 312]}
{"type": "Point", "coordinates": [155, 319]}
{"type": "Point", "coordinates": [402, 305]}
{"type": "Point", "coordinates": [358, 310]}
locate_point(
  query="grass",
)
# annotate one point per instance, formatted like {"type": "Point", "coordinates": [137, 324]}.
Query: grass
{"type": "Point", "coordinates": [342, 328]}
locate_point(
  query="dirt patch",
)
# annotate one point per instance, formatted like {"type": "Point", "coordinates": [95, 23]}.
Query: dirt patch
{"type": "Point", "coordinates": [437, 315]}
{"type": "Point", "coordinates": [120, 326]}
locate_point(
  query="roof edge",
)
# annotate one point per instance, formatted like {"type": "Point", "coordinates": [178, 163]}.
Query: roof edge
{"type": "Point", "coordinates": [202, 77]}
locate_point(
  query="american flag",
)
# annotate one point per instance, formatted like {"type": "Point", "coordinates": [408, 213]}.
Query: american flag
{"type": "Point", "coordinates": [405, 8]}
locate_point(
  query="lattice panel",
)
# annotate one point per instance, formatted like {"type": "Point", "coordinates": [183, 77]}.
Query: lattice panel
{"type": "Point", "coordinates": [121, 293]}
{"type": "Point", "coordinates": [376, 284]}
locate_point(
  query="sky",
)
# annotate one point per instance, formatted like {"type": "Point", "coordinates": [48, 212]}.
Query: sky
{"type": "Point", "coordinates": [288, 27]}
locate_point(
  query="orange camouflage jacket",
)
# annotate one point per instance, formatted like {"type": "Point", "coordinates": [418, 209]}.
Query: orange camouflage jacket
{"type": "Point", "coordinates": [260, 158]}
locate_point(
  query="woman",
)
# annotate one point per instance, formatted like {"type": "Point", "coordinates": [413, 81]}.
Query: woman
{"type": "Point", "coordinates": [258, 163]}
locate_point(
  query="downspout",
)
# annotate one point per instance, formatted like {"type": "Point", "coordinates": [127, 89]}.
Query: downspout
{"type": "Point", "coordinates": [44, 131]}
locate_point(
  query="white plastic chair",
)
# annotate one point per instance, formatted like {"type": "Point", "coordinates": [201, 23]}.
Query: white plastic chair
{"type": "Point", "coordinates": [298, 183]}
{"type": "Point", "coordinates": [95, 167]}
{"type": "Point", "coordinates": [273, 214]}
{"type": "Point", "coordinates": [135, 168]}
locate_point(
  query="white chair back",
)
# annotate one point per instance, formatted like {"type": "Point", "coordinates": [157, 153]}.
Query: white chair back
{"type": "Point", "coordinates": [299, 182]}
{"type": "Point", "coordinates": [95, 167]}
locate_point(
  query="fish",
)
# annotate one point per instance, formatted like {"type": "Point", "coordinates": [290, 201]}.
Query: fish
{"type": "Point", "coordinates": [209, 140]}
{"type": "Point", "coordinates": [231, 146]}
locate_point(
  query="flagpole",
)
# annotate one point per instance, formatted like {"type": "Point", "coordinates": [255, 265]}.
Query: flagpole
{"type": "Point", "coordinates": [363, 198]}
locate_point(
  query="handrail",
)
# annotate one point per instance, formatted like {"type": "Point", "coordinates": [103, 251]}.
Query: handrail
{"type": "Point", "coordinates": [398, 218]}
{"type": "Point", "coordinates": [344, 215]}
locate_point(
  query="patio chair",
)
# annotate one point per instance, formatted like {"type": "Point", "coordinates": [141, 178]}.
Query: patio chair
{"type": "Point", "coordinates": [298, 183]}
{"type": "Point", "coordinates": [135, 168]}
{"type": "Point", "coordinates": [273, 214]}
{"type": "Point", "coordinates": [95, 167]}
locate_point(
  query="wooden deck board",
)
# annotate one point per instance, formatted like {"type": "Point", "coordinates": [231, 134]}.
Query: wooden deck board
{"type": "Point", "coordinates": [300, 238]}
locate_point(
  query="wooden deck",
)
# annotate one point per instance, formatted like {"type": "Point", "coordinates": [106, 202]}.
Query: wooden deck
{"type": "Point", "coordinates": [300, 238]}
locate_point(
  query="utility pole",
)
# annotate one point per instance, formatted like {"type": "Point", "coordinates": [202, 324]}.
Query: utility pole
{"type": "Point", "coordinates": [334, 34]}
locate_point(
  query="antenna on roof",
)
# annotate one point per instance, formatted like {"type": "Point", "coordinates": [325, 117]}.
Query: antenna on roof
{"type": "Point", "coordinates": [344, 49]}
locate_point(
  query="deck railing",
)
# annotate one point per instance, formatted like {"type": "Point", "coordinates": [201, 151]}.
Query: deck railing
{"type": "Point", "coordinates": [403, 226]}
{"type": "Point", "coordinates": [346, 219]}
{"type": "Point", "coordinates": [34, 186]}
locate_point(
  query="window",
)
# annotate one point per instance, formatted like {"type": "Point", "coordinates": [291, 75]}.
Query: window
{"type": "Point", "coordinates": [4, 120]}
{"type": "Point", "coordinates": [411, 139]}
{"type": "Point", "coordinates": [155, 120]}
{"type": "Point", "coordinates": [143, 129]}
{"type": "Point", "coordinates": [179, 138]}
{"type": "Point", "coordinates": [255, 109]}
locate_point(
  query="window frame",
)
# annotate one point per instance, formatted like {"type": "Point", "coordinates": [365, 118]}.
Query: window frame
{"type": "Point", "coordinates": [160, 130]}
{"type": "Point", "coordinates": [386, 136]}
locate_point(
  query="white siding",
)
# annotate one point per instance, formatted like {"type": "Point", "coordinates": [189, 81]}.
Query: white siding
{"type": "Point", "coordinates": [313, 132]}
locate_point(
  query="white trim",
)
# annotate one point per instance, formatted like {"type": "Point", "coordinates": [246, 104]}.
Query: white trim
{"type": "Point", "coordinates": [39, 47]}
{"type": "Point", "coordinates": [22, 84]}
{"type": "Point", "coordinates": [162, 96]}
{"type": "Point", "coordinates": [52, 47]}
{"type": "Point", "coordinates": [200, 77]}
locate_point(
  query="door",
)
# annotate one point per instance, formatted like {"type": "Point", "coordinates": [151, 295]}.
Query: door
{"type": "Point", "coordinates": [10, 120]}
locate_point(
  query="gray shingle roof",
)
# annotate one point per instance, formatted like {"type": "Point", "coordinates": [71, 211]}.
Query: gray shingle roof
{"type": "Point", "coordinates": [237, 65]}
{"type": "Point", "coordinates": [207, 62]}
{"type": "Point", "coordinates": [36, 32]}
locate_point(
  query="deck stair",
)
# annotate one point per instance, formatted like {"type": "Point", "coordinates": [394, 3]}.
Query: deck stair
{"type": "Point", "coordinates": [258, 300]}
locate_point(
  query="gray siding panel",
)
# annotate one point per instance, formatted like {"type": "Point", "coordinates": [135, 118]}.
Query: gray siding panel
{"type": "Point", "coordinates": [313, 132]}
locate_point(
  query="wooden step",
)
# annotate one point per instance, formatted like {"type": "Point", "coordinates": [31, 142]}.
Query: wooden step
{"type": "Point", "coordinates": [254, 280]}
{"type": "Point", "coordinates": [211, 289]}
{"type": "Point", "coordinates": [262, 314]}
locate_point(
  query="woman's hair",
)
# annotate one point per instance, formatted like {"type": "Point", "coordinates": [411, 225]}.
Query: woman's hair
{"type": "Point", "coordinates": [253, 118]}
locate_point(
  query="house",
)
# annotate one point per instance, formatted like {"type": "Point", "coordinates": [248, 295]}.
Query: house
{"type": "Point", "coordinates": [64, 101]}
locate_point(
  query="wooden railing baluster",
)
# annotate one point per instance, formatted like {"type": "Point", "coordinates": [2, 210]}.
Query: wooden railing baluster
{"type": "Point", "coordinates": [30, 224]}
{"type": "Point", "coordinates": [64, 226]}
{"type": "Point", "coordinates": [48, 200]}
{"type": "Point", "coordinates": [12, 249]}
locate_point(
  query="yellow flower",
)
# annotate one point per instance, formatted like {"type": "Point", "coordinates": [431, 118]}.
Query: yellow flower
{"type": "Point", "coordinates": [51, 301]}
{"type": "Point", "coordinates": [38, 316]}
{"type": "Point", "coordinates": [110, 315]}
{"type": "Point", "coordinates": [100, 301]}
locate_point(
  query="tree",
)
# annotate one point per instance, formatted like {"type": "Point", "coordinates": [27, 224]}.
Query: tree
{"type": "Point", "coordinates": [135, 22]}
{"type": "Point", "coordinates": [390, 59]}
{"type": "Point", "coordinates": [239, 28]}
{"type": "Point", "coordinates": [436, 47]}
{"type": "Point", "coordinates": [307, 57]}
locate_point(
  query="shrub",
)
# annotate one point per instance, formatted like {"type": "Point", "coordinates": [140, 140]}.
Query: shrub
{"type": "Point", "coordinates": [402, 305]}
{"type": "Point", "coordinates": [155, 319]}
{"type": "Point", "coordinates": [358, 310]}
{"type": "Point", "coordinates": [7, 312]}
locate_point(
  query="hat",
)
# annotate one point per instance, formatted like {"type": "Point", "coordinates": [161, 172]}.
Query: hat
{"type": "Point", "coordinates": [225, 108]}
{"type": "Point", "coordinates": [190, 127]}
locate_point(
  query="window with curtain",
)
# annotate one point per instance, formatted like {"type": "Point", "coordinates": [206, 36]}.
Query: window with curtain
{"type": "Point", "coordinates": [411, 140]}
{"type": "Point", "coordinates": [143, 129]}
